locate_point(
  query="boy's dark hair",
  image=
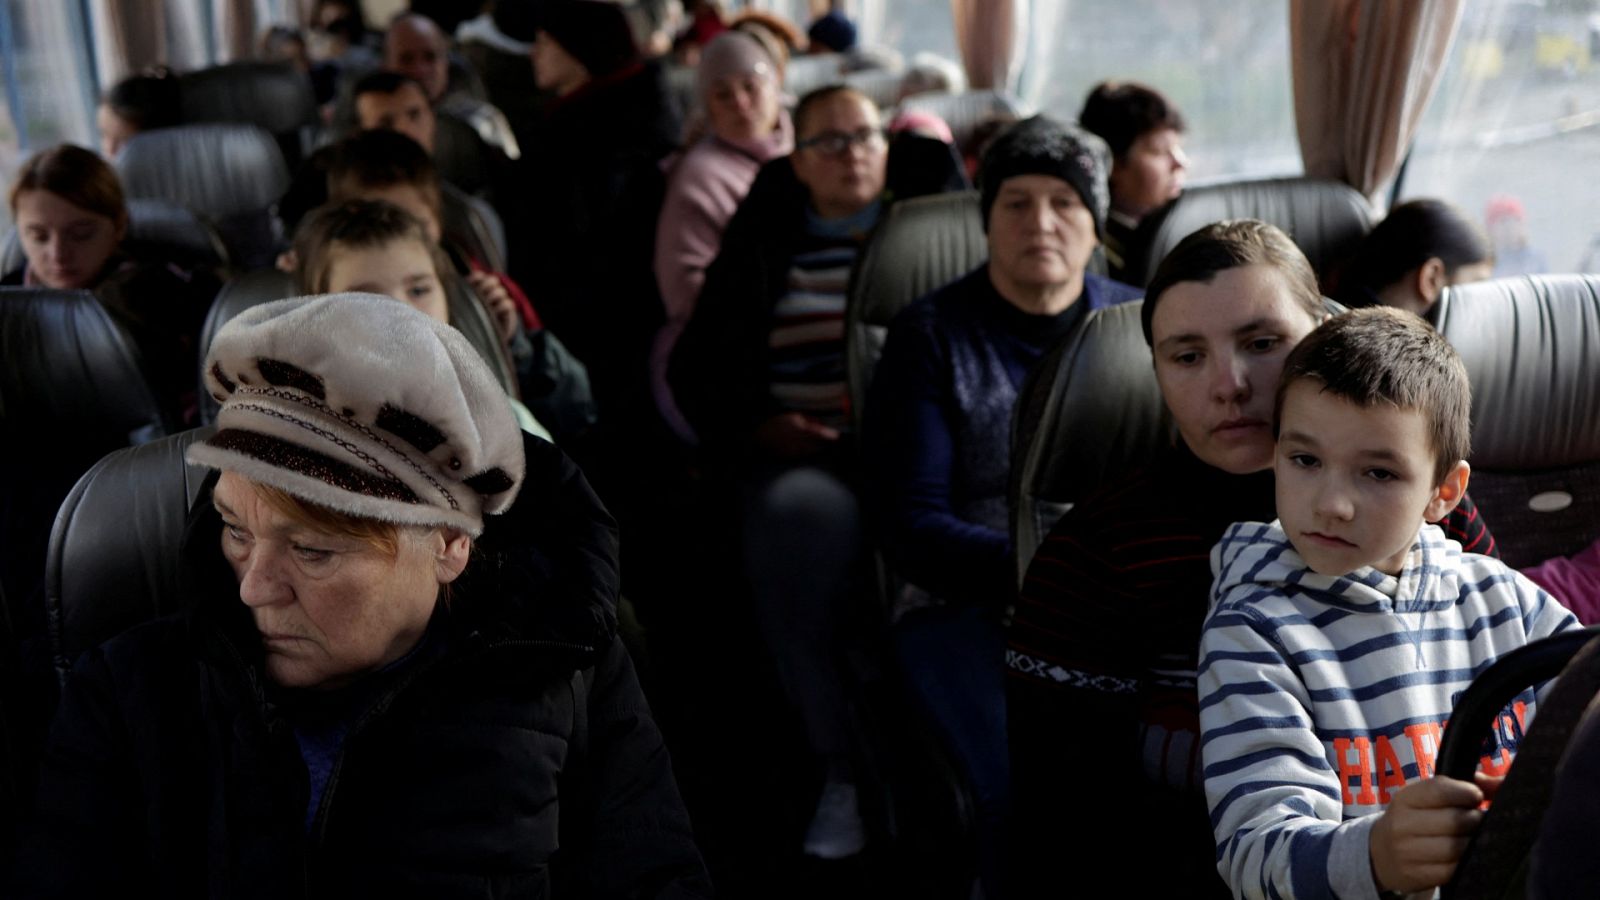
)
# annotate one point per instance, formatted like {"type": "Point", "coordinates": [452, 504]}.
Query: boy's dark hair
{"type": "Point", "coordinates": [353, 224]}
{"type": "Point", "coordinates": [146, 101]}
{"type": "Point", "coordinates": [378, 159]}
{"type": "Point", "coordinates": [1233, 244]}
{"type": "Point", "coordinates": [1413, 233]}
{"type": "Point", "coordinates": [814, 99]}
{"type": "Point", "coordinates": [384, 82]}
{"type": "Point", "coordinates": [1121, 112]}
{"type": "Point", "coordinates": [1385, 355]}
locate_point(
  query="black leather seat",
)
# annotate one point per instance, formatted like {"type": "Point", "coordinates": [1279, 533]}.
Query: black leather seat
{"type": "Point", "coordinates": [113, 554]}
{"type": "Point", "coordinates": [923, 244]}
{"type": "Point", "coordinates": [1532, 350]}
{"type": "Point", "coordinates": [473, 225]}
{"type": "Point", "coordinates": [271, 96]}
{"type": "Point", "coordinates": [231, 175]}
{"type": "Point", "coordinates": [964, 112]}
{"type": "Point", "coordinates": [1326, 218]}
{"type": "Point", "coordinates": [71, 390]}
{"type": "Point", "coordinates": [157, 229]}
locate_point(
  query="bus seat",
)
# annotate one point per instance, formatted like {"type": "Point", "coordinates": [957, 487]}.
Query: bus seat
{"type": "Point", "coordinates": [1531, 346]}
{"type": "Point", "coordinates": [1325, 218]}
{"type": "Point", "coordinates": [71, 390]}
{"type": "Point", "coordinates": [923, 244]}
{"type": "Point", "coordinates": [1494, 864]}
{"type": "Point", "coordinates": [113, 553]}
{"type": "Point", "coordinates": [229, 174]}
{"type": "Point", "coordinates": [882, 85]}
{"type": "Point", "coordinates": [1097, 383]}
{"type": "Point", "coordinates": [156, 230]}
{"type": "Point", "coordinates": [473, 225]}
{"type": "Point", "coordinates": [807, 73]}
{"type": "Point", "coordinates": [964, 112]}
{"type": "Point", "coordinates": [271, 96]}
{"type": "Point", "coordinates": [239, 294]}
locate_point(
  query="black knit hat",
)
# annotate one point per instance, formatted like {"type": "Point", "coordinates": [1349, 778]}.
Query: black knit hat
{"type": "Point", "coordinates": [1043, 146]}
{"type": "Point", "coordinates": [596, 33]}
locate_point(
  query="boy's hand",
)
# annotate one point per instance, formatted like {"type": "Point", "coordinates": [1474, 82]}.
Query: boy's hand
{"type": "Point", "coordinates": [502, 309]}
{"type": "Point", "coordinates": [1419, 838]}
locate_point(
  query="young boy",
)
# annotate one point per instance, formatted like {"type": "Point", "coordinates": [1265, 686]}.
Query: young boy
{"type": "Point", "coordinates": [1341, 634]}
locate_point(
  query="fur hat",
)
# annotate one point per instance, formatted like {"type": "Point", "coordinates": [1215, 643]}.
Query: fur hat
{"type": "Point", "coordinates": [363, 405]}
{"type": "Point", "coordinates": [1043, 146]}
{"type": "Point", "coordinates": [596, 33]}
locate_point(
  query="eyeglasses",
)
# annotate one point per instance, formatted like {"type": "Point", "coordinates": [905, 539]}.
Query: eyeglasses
{"type": "Point", "coordinates": [837, 143]}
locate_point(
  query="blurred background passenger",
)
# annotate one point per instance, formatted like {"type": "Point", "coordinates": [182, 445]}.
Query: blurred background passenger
{"type": "Point", "coordinates": [1506, 220]}
{"type": "Point", "coordinates": [134, 104]}
{"type": "Point", "coordinates": [738, 92]}
{"type": "Point", "coordinates": [930, 73]}
{"type": "Point", "coordinates": [415, 46]}
{"type": "Point", "coordinates": [1148, 166]}
{"type": "Point", "coordinates": [781, 37]}
{"type": "Point", "coordinates": [1418, 250]}
{"type": "Point", "coordinates": [937, 438]}
{"type": "Point", "coordinates": [832, 32]}
{"type": "Point", "coordinates": [71, 219]}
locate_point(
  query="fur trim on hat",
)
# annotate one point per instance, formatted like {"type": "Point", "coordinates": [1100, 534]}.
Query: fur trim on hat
{"type": "Point", "coordinates": [1042, 146]}
{"type": "Point", "coordinates": [364, 405]}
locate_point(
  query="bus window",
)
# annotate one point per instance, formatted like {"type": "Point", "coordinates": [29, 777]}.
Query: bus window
{"type": "Point", "coordinates": [46, 86]}
{"type": "Point", "coordinates": [1515, 123]}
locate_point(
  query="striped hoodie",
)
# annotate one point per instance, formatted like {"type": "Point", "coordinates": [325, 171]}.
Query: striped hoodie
{"type": "Point", "coordinates": [1321, 696]}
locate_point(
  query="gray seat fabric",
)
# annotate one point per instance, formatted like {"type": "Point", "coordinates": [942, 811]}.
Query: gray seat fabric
{"type": "Point", "coordinates": [231, 175]}
{"type": "Point", "coordinates": [882, 85]}
{"type": "Point", "coordinates": [113, 555]}
{"type": "Point", "coordinates": [1531, 346]}
{"type": "Point", "coordinates": [807, 73]}
{"type": "Point", "coordinates": [964, 112]}
{"type": "Point", "coordinates": [157, 229]}
{"type": "Point", "coordinates": [1091, 409]}
{"type": "Point", "coordinates": [1326, 218]}
{"type": "Point", "coordinates": [923, 244]}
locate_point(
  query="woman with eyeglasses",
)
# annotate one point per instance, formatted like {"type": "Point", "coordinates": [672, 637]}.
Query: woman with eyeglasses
{"type": "Point", "coordinates": [759, 374]}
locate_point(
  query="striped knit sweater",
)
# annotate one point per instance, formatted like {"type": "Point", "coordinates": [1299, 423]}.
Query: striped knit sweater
{"type": "Point", "coordinates": [1322, 696]}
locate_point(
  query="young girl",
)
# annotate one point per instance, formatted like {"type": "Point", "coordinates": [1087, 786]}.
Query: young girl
{"type": "Point", "coordinates": [374, 246]}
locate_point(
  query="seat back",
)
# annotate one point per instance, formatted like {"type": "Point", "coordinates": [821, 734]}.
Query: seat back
{"type": "Point", "coordinates": [157, 229]}
{"type": "Point", "coordinates": [965, 111]}
{"type": "Point", "coordinates": [1088, 411]}
{"type": "Point", "coordinates": [71, 390]}
{"type": "Point", "coordinates": [804, 74]}
{"type": "Point", "coordinates": [1326, 218]}
{"type": "Point", "coordinates": [473, 225]}
{"type": "Point", "coordinates": [239, 294]}
{"type": "Point", "coordinates": [113, 553]}
{"type": "Point", "coordinates": [882, 85]}
{"type": "Point", "coordinates": [230, 175]}
{"type": "Point", "coordinates": [1531, 346]}
{"type": "Point", "coordinates": [272, 96]}
{"type": "Point", "coordinates": [923, 243]}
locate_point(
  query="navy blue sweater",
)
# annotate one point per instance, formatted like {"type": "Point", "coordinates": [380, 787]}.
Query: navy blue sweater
{"type": "Point", "coordinates": [938, 430]}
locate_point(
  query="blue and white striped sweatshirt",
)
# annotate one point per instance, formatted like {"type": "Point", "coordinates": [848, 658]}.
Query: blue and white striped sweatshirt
{"type": "Point", "coordinates": [1321, 696]}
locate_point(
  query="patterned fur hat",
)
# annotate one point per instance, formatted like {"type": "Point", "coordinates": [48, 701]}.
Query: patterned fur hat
{"type": "Point", "coordinates": [366, 406]}
{"type": "Point", "coordinates": [1043, 146]}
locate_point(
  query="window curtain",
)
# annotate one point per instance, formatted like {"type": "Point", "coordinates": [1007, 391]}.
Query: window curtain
{"type": "Point", "coordinates": [1364, 71]}
{"type": "Point", "coordinates": [986, 33]}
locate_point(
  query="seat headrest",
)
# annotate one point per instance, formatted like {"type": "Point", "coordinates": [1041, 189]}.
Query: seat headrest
{"type": "Point", "coordinates": [1089, 410]}
{"type": "Point", "coordinates": [219, 171]}
{"type": "Point", "coordinates": [473, 225]}
{"type": "Point", "coordinates": [1531, 346]}
{"type": "Point", "coordinates": [1326, 218]}
{"type": "Point", "coordinates": [964, 112]}
{"type": "Point", "coordinates": [113, 557]}
{"type": "Point", "coordinates": [804, 74]}
{"type": "Point", "coordinates": [271, 96]}
{"type": "Point", "coordinates": [923, 244]}
{"type": "Point", "coordinates": [237, 295]}
{"type": "Point", "coordinates": [882, 85]}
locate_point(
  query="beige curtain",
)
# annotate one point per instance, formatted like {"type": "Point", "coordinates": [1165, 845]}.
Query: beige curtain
{"type": "Point", "coordinates": [1364, 71]}
{"type": "Point", "coordinates": [986, 34]}
{"type": "Point", "coordinates": [129, 35]}
{"type": "Point", "coordinates": [238, 23]}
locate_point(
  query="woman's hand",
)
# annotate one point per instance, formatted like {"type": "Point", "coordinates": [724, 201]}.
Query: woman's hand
{"type": "Point", "coordinates": [498, 301]}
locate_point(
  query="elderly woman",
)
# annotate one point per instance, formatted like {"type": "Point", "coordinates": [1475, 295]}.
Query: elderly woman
{"type": "Point", "coordinates": [399, 673]}
{"type": "Point", "coordinates": [1102, 649]}
{"type": "Point", "coordinates": [738, 87]}
{"type": "Point", "coordinates": [938, 427]}
{"type": "Point", "coordinates": [1145, 132]}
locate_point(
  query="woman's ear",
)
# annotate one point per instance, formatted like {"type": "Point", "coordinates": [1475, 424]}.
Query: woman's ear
{"type": "Point", "coordinates": [1449, 493]}
{"type": "Point", "coordinates": [452, 558]}
{"type": "Point", "coordinates": [1431, 279]}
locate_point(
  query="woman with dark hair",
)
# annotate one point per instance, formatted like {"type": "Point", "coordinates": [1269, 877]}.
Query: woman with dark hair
{"type": "Point", "coordinates": [1108, 620]}
{"type": "Point", "coordinates": [134, 104]}
{"type": "Point", "coordinates": [397, 670]}
{"type": "Point", "coordinates": [1418, 250]}
{"type": "Point", "coordinates": [71, 219]}
{"type": "Point", "coordinates": [1148, 166]}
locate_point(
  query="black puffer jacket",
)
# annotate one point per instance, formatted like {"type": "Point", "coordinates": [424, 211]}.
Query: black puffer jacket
{"type": "Point", "coordinates": [515, 758]}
